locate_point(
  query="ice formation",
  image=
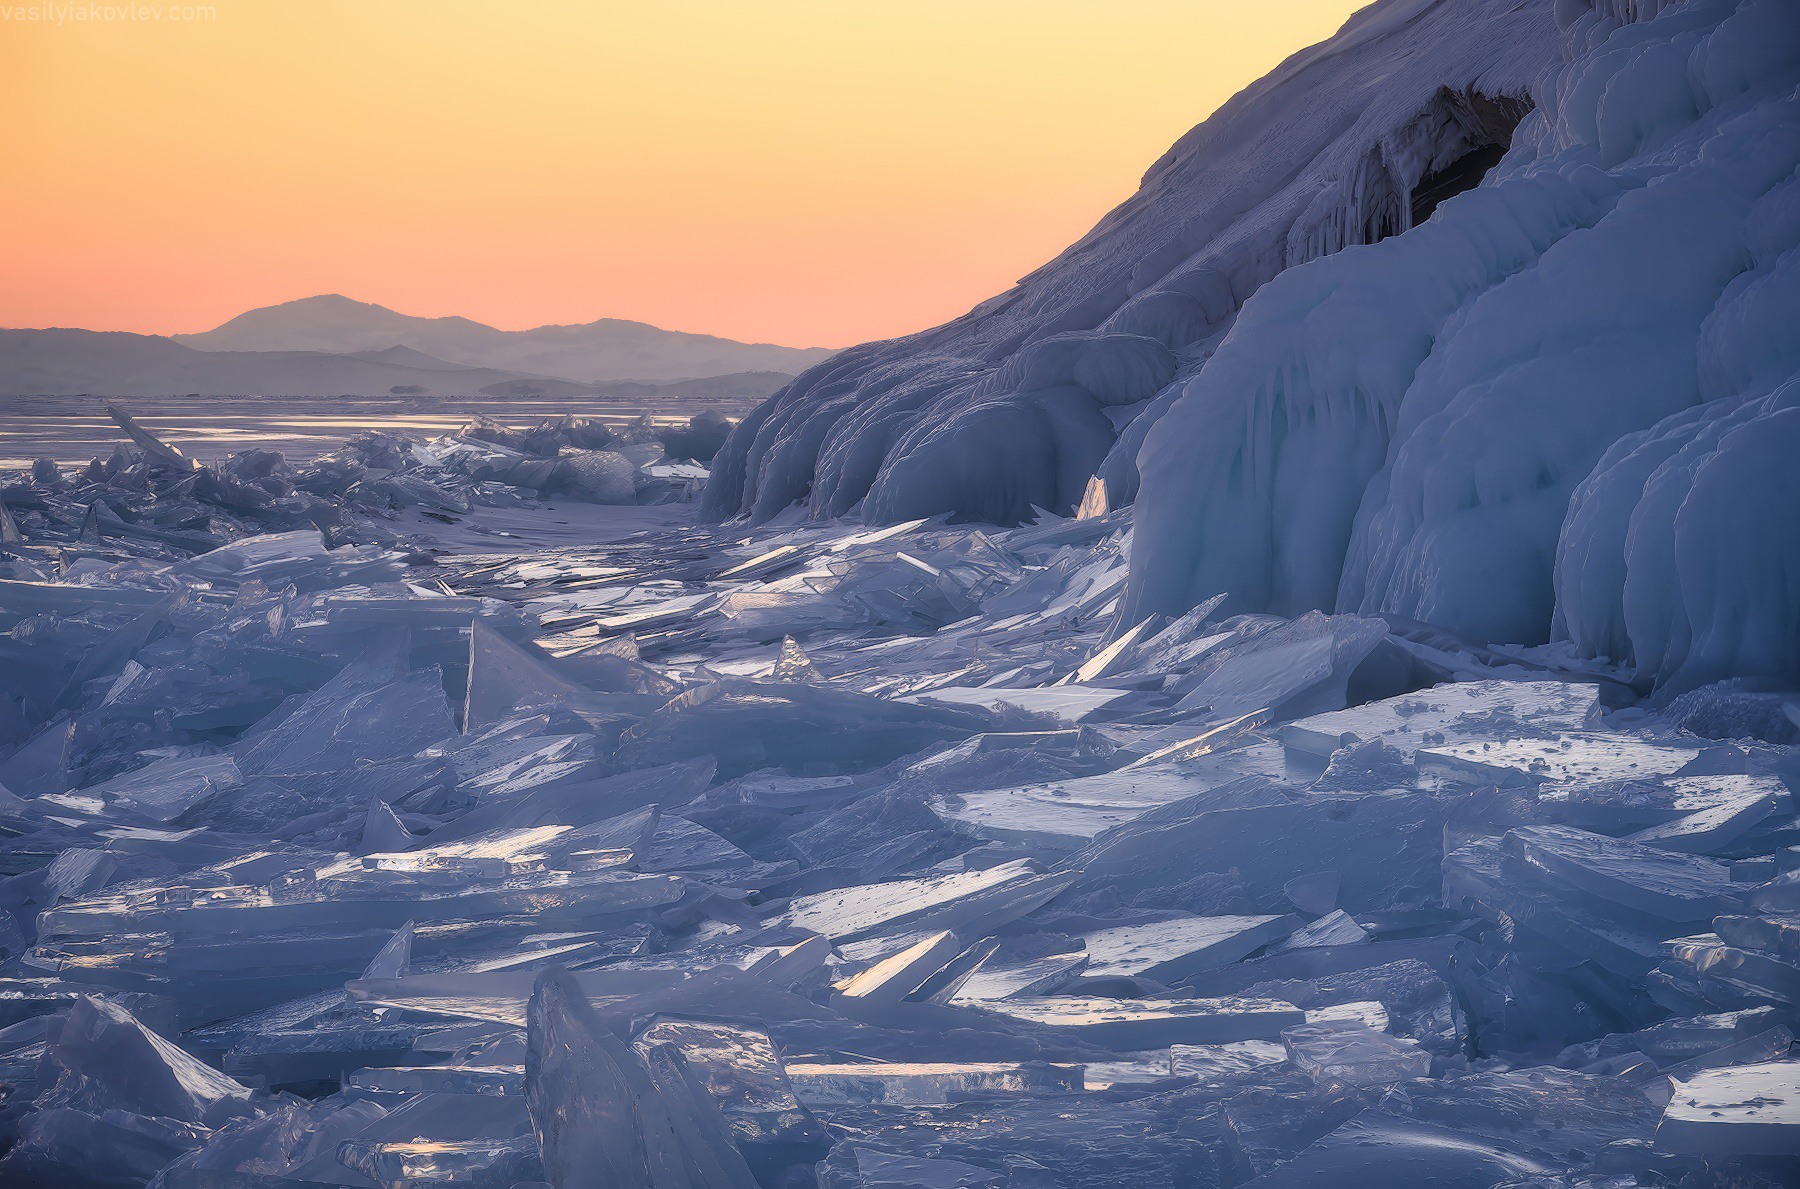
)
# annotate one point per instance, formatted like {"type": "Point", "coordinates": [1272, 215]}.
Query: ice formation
{"type": "Point", "coordinates": [1206, 842]}
{"type": "Point", "coordinates": [822, 855]}
{"type": "Point", "coordinates": [1555, 405]}
{"type": "Point", "coordinates": [1561, 400]}
{"type": "Point", "coordinates": [1022, 400]}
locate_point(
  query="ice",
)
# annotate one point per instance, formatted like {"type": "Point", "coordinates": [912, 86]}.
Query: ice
{"type": "Point", "coordinates": [433, 1079]}
{"type": "Point", "coordinates": [1018, 403]}
{"type": "Point", "coordinates": [1169, 950]}
{"type": "Point", "coordinates": [1334, 928]}
{"type": "Point", "coordinates": [1561, 757]}
{"type": "Point", "coordinates": [1036, 976]}
{"type": "Point", "coordinates": [989, 897]}
{"type": "Point", "coordinates": [1675, 887]}
{"type": "Point", "coordinates": [1350, 1051]}
{"type": "Point", "coordinates": [875, 1169]}
{"type": "Point", "coordinates": [1223, 1061]}
{"type": "Point", "coordinates": [478, 1161]}
{"type": "Point", "coordinates": [886, 1082]}
{"type": "Point", "coordinates": [1411, 721]}
{"type": "Point", "coordinates": [1374, 1150]}
{"type": "Point", "coordinates": [1747, 1110]}
{"type": "Point", "coordinates": [904, 972]}
{"type": "Point", "coordinates": [1717, 820]}
{"type": "Point", "coordinates": [504, 677]}
{"type": "Point", "coordinates": [1271, 844]}
{"type": "Point", "coordinates": [126, 1067]}
{"type": "Point", "coordinates": [1071, 703]}
{"type": "Point", "coordinates": [603, 1117]}
{"type": "Point", "coordinates": [1128, 1024]}
{"type": "Point", "coordinates": [741, 1070]}
{"type": "Point", "coordinates": [1068, 814]}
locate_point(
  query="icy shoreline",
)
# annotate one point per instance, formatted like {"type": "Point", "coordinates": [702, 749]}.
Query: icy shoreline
{"type": "Point", "coordinates": [816, 854]}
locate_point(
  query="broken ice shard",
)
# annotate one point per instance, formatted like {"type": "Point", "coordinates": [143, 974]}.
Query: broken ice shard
{"type": "Point", "coordinates": [886, 1082]}
{"type": "Point", "coordinates": [1749, 1110]}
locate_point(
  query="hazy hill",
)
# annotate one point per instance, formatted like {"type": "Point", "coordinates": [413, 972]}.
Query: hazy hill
{"type": "Point", "coordinates": [610, 349]}
{"type": "Point", "coordinates": [114, 363]}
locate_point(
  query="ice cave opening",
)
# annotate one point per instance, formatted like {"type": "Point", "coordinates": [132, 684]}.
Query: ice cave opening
{"type": "Point", "coordinates": [1488, 123]}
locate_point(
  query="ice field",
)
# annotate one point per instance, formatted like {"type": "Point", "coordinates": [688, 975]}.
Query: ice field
{"type": "Point", "coordinates": [821, 854]}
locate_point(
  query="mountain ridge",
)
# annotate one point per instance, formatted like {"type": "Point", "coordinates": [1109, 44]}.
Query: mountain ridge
{"type": "Point", "coordinates": [603, 350]}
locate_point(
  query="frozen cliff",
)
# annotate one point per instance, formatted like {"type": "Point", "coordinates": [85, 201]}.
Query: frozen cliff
{"type": "Point", "coordinates": [1564, 405]}
{"type": "Point", "coordinates": [1478, 314]}
{"type": "Point", "coordinates": [1020, 401]}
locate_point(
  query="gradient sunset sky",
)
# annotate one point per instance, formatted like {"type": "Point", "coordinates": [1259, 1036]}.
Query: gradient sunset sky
{"type": "Point", "coordinates": [785, 171]}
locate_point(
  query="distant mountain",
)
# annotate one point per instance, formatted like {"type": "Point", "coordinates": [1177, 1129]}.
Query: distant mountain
{"type": "Point", "coordinates": [114, 363]}
{"type": "Point", "coordinates": [610, 349]}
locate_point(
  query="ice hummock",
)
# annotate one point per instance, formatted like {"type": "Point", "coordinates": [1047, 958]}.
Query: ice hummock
{"type": "Point", "coordinates": [661, 859]}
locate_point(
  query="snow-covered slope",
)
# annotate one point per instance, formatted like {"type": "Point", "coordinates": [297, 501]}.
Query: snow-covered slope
{"type": "Point", "coordinates": [1559, 405]}
{"type": "Point", "coordinates": [1020, 401]}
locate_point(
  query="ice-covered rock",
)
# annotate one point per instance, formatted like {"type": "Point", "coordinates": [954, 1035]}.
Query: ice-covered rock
{"type": "Point", "coordinates": [1019, 402]}
{"type": "Point", "coordinates": [1430, 471]}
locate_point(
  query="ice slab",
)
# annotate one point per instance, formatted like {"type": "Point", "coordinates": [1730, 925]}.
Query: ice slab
{"type": "Point", "coordinates": [1005, 980]}
{"type": "Point", "coordinates": [504, 676]}
{"type": "Point", "coordinates": [741, 1070]}
{"type": "Point", "coordinates": [1624, 806]}
{"type": "Point", "coordinates": [1211, 1063]}
{"type": "Point", "coordinates": [967, 898]}
{"type": "Point", "coordinates": [1133, 1024]}
{"type": "Point", "coordinates": [1674, 886]}
{"type": "Point", "coordinates": [1379, 1150]}
{"type": "Point", "coordinates": [875, 1169]}
{"type": "Point", "coordinates": [163, 789]}
{"type": "Point", "coordinates": [1386, 847]}
{"type": "Point", "coordinates": [1780, 936]}
{"type": "Point", "coordinates": [1300, 667]}
{"type": "Point", "coordinates": [133, 1069]}
{"type": "Point", "coordinates": [1761, 974]}
{"type": "Point", "coordinates": [1477, 876]}
{"type": "Point", "coordinates": [1353, 1053]}
{"type": "Point", "coordinates": [1565, 757]}
{"type": "Point", "coordinates": [926, 1082]}
{"type": "Point", "coordinates": [1072, 703]}
{"type": "Point", "coordinates": [1170, 950]}
{"type": "Point", "coordinates": [1748, 1110]}
{"type": "Point", "coordinates": [1068, 814]}
{"type": "Point", "coordinates": [900, 974]}
{"type": "Point", "coordinates": [488, 1161]}
{"type": "Point", "coordinates": [1487, 710]}
{"type": "Point", "coordinates": [1334, 928]}
{"type": "Point", "coordinates": [493, 1080]}
{"type": "Point", "coordinates": [1133, 1069]}
{"type": "Point", "coordinates": [603, 1116]}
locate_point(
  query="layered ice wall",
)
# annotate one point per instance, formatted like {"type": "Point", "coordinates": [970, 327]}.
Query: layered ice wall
{"type": "Point", "coordinates": [1559, 402]}
{"type": "Point", "coordinates": [1021, 401]}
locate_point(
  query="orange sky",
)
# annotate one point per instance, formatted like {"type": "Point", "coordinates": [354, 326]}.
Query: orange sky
{"type": "Point", "coordinates": [794, 171]}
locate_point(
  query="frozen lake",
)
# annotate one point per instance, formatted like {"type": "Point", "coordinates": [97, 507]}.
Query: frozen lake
{"type": "Point", "coordinates": [73, 429]}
